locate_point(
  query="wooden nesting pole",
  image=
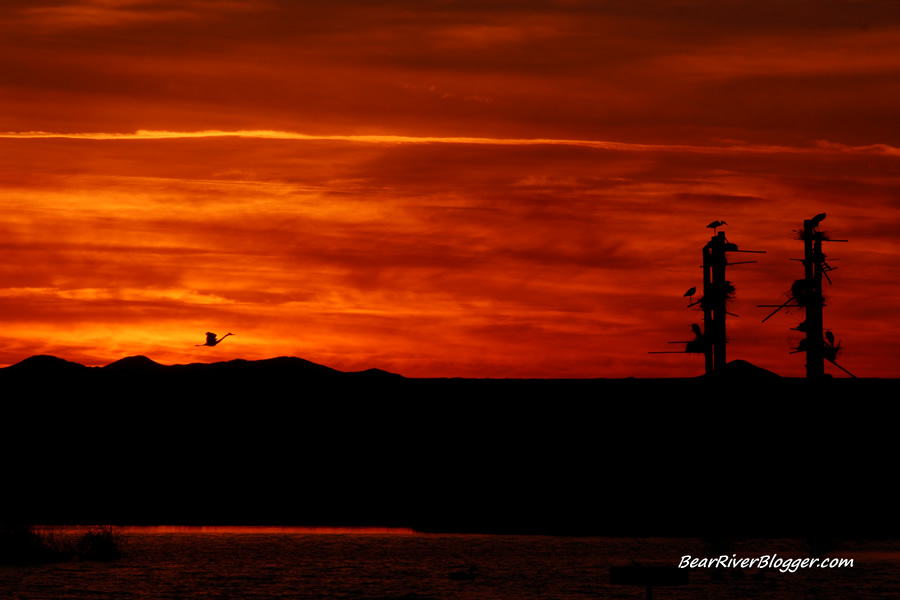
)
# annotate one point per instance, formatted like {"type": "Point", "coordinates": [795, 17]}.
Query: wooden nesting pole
{"type": "Point", "coordinates": [714, 298]}
{"type": "Point", "coordinates": [813, 261]}
{"type": "Point", "coordinates": [818, 344]}
{"type": "Point", "coordinates": [717, 292]}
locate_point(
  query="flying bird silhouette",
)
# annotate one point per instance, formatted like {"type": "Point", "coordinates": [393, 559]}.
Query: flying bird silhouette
{"type": "Point", "coordinates": [211, 339]}
{"type": "Point", "coordinates": [715, 225]}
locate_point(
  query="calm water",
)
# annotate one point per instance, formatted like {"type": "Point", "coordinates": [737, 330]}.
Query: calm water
{"type": "Point", "coordinates": [373, 564]}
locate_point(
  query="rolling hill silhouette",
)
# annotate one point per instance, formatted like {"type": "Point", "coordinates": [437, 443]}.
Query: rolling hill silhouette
{"type": "Point", "coordinates": [134, 364]}
{"type": "Point", "coordinates": [282, 365]}
{"type": "Point", "coordinates": [235, 377]}
{"type": "Point", "coordinates": [45, 365]}
{"type": "Point", "coordinates": [745, 371]}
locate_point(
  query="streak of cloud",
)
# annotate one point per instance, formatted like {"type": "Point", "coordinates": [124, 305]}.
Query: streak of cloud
{"type": "Point", "coordinates": [820, 146]}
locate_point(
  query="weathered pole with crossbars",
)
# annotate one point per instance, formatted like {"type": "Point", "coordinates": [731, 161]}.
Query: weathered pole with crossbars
{"type": "Point", "coordinates": [818, 343]}
{"type": "Point", "coordinates": [813, 261]}
{"type": "Point", "coordinates": [716, 291]}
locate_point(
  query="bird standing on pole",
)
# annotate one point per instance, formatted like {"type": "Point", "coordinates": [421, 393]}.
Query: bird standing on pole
{"type": "Point", "coordinates": [715, 225]}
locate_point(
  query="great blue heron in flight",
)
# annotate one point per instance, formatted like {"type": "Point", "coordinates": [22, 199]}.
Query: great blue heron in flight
{"type": "Point", "coordinates": [211, 339]}
{"type": "Point", "coordinates": [715, 225]}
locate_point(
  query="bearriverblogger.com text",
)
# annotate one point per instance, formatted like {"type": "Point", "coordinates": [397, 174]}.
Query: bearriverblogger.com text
{"type": "Point", "coordinates": [767, 561]}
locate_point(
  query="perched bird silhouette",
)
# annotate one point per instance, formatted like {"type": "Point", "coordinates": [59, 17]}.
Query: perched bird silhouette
{"type": "Point", "coordinates": [696, 329]}
{"type": "Point", "coordinates": [211, 339]}
{"type": "Point", "coordinates": [715, 225]}
{"type": "Point", "coordinates": [830, 337]}
{"type": "Point", "coordinates": [818, 219]}
{"type": "Point", "coordinates": [690, 294]}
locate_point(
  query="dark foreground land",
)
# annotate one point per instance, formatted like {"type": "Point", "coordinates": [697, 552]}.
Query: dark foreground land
{"type": "Point", "coordinates": [288, 442]}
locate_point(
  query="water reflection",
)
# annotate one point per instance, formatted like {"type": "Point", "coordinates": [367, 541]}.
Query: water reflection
{"type": "Point", "coordinates": [375, 564]}
{"type": "Point", "coordinates": [266, 530]}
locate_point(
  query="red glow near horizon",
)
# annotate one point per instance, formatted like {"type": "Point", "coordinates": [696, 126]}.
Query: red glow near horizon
{"type": "Point", "coordinates": [239, 530]}
{"type": "Point", "coordinates": [477, 191]}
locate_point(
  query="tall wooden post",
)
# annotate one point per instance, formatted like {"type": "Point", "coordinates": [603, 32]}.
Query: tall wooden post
{"type": "Point", "coordinates": [721, 295]}
{"type": "Point", "coordinates": [717, 292]}
{"type": "Point", "coordinates": [807, 294]}
{"type": "Point", "coordinates": [813, 262]}
{"type": "Point", "coordinates": [707, 308]}
{"type": "Point", "coordinates": [714, 299]}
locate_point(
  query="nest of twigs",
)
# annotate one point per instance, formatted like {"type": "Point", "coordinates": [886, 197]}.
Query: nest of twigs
{"type": "Point", "coordinates": [724, 291]}
{"type": "Point", "coordinates": [816, 235]}
{"type": "Point", "coordinates": [803, 293]}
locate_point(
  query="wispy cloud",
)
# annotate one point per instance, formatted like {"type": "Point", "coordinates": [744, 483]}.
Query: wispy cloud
{"type": "Point", "coordinates": [819, 147]}
{"type": "Point", "coordinates": [93, 14]}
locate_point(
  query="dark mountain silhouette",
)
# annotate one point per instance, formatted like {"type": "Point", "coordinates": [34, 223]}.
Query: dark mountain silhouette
{"type": "Point", "coordinates": [281, 369]}
{"type": "Point", "coordinates": [45, 365]}
{"type": "Point", "coordinates": [267, 367]}
{"type": "Point", "coordinates": [741, 369]}
{"type": "Point", "coordinates": [134, 364]}
{"type": "Point", "coordinates": [376, 373]}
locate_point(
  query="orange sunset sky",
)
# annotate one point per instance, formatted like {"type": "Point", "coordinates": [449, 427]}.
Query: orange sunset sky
{"type": "Point", "coordinates": [476, 188]}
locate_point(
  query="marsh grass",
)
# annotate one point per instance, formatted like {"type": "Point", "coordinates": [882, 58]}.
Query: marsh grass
{"type": "Point", "coordinates": [99, 543]}
{"type": "Point", "coordinates": [24, 544]}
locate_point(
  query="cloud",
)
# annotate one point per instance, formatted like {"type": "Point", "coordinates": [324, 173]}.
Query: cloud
{"type": "Point", "coordinates": [94, 14]}
{"type": "Point", "coordinates": [820, 147]}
